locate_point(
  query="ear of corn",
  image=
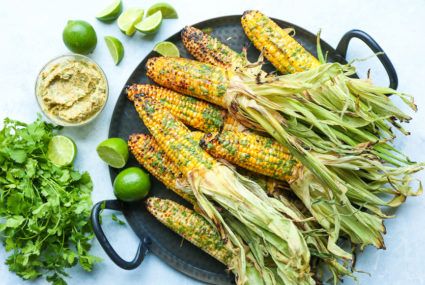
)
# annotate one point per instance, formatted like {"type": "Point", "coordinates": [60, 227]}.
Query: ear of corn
{"type": "Point", "coordinates": [253, 152]}
{"type": "Point", "coordinates": [278, 46]}
{"type": "Point", "coordinates": [149, 154]}
{"type": "Point", "coordinates": [192, 227]}
{"type": "Point", "coordinates": [207, 49]}
{"type": "Point", "coordinates": [190, 77]}
{"type": "Point", "coordinates": [172, 135]}
{"type": "Point", "coordinates": [243, 198]}
{"type": "Point", "coordinates": [195, 229]}
{"type": "Point", "coordinates": [362, 227]}
{"type": "Point", "coordinates": [191, 111]}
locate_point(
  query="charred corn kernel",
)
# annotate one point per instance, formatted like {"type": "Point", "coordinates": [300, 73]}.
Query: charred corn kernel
{"type": "Point", "coordinates": [197, 136]}
{"type": "Point", "coordinates": [190, 77]}
{"type": "Point", "coordinates": [172, 136]}
{"type": "Point", "coordinates": [191, 226]}
{"type": "Point", "coordinates": [278, 46]}
{"type": "Point", "coordinates": [253, 152]}
{"type": "Point", "coordinates": [149, 154]}
{"type": "Point", "coordinates": [191, 111]}
{"type": "Point", "coordinates": [207, 49]}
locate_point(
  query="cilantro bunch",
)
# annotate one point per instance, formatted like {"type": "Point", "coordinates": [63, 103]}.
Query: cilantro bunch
{"type": "Point", "coordinates": [44, 209]}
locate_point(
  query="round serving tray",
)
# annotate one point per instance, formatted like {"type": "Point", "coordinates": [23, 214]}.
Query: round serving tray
{"type": "Point", "coordinates": [155, 237]}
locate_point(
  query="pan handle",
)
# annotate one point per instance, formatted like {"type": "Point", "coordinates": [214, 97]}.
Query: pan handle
{"type": "Point", "coordinates": [374, 46]}
{"type": "Point", "coordinates": [100, 235]}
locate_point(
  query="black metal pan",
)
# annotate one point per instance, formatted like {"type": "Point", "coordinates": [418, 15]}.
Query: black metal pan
{"type": "Point", "coordinates": [154, 237]}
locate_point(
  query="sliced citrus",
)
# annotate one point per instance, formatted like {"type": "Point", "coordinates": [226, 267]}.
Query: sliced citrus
{"type": "Point", "coordinates": [61, 150]}
{"type": "Point", "coordinates": [168, 11]}
{"type": "Point", "coordinates": [151, 24]}
{"type": "Point", "coordinates": [115, 47]}
{"type": "Point", "coordinates": [114, 152]}
{"type": "Point", "coordinates": [128, 19]}
{"type": "Point", "coordinates": [111, 12]}
{"type": "Point", "coordinates": [167, 49]}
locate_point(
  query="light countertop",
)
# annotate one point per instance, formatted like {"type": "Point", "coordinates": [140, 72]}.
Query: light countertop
{"type": "Point", "coordinates": [32, 34]}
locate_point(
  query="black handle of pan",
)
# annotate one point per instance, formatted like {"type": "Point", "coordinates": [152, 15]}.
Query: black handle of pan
{"type": "Point", "coordinates": [374, 46]}
{"type": "Point", "coordinates": [107, 247]}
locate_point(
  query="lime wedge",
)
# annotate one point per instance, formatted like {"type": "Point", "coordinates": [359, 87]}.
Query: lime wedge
{"type": "Point", "coordinates": [61, 150]}
{"type": "Point", "coordinates": [151, 24]}
{"type": "Point", "coordinates": [167, 49]}
{"type": "Point", "coordinates": [128, 19]}
{"type": "Point", "coordinates": [111, 12]}
{"type": "Point", "coordinates": [114, 152]}
{"type": "Point", "coordinates": [168, 11]}
{"type": "Point", "coordinates": [115, 48]}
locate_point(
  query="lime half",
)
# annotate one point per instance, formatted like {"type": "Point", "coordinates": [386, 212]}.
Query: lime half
{"type": "Point", "coordinates": [128, 19]}
{"type": "Point", "coordinates": [131, 184]}
{"type": "Point", "coordinates": [115, 47]}
{"type": "Point", "coordinates": [61, 150]}
{"type": "Point", "coordinates": [114, 152]}
{"type": "Point", "coordinates": [111, 12]}
{"type": "Point", "coordinates": [168, 11]}
{"type": "Point", "coordinates": [167, 49]}
{"type": "Point", "coordinates": [151, 24]}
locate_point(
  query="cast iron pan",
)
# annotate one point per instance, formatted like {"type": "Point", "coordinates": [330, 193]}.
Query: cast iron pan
{"type": "Point", "coordinates": [153, 235]}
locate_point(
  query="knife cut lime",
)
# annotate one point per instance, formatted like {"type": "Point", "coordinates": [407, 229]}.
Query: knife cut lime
{"type": "Point", "coordinates": [115, 47]}
{"type": "Point", "coordinates": [151, 24]}
{"type": "Point", "coordinates": [167, 49]}
{"type": "Point", "coordinates": [113, 151]}
{"type": "Point", "coordinates": [128, 19]}
{"type": "Point", "coordinates": [61, 150]}
{"type": "Point", "coordinates": [111, 12]}
{"type": "Point", "coordinates": [168, 11]}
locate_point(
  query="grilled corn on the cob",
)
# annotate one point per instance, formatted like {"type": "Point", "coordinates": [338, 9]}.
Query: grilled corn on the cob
{"type": "Point", "coordinates": [279, 47]}
{"type": "Point", "coordinates": [253, 152]}
{"type": "Point", "coordinates": [207, 49]}
{"type": "Point", "coordinates": [149, 154]}
{"type": "Point", "coordinates": [243, 199]}
{"type": "Point", "coordinates": [191, 226]}
{"type": "Point", "coordinates": [191, 111]}
{"type": "Point", "coordinates": [192, 78]}
{"type": "Point", "coordinates": [173, 136]}
{"type": "Point", "coordinates": [180, 219]}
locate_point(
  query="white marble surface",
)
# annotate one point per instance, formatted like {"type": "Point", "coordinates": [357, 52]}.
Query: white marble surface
{"type": "Point", "coordinates": [31, 35]}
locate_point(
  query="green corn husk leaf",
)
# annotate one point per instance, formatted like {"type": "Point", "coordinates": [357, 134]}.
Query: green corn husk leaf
{"type": "Point", "coordinates": [329, 205]}
{"type": "Point", "coordinates": [249, 204]}
{"type": "Point", "coordinates": [329, 111]}
{"type": "Point", "coordinates": [316, 240]}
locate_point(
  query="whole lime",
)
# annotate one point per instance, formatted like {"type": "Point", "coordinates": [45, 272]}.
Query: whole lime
{"type": "Point", "coordinates": [79, 37]}
{"type": "Point", "coordinates": [131, 184]}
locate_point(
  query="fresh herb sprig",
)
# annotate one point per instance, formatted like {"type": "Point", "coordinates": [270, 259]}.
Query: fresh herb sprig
{"type": "Point", "coordinates": [44, 209]}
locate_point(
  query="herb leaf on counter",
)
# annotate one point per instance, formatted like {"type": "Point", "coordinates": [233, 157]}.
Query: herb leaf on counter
{"type": "Point", "coordinates": [44, 209]}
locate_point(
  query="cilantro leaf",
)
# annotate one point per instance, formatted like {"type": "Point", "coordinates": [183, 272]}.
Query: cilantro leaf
{"type": "Point", "coordinates": [44, 209]}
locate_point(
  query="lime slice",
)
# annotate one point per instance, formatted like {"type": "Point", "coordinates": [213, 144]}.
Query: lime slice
{"type": "Point", "coordinates": [168, 11]}
{"type": "Point", "coordinates": [61, 150]}
{"type": "Point", "coordinates": [131, 184]}
{"type": "Point", "coordinates": [115, 48]}
{"type": "Point", "coordinates": [167, 49]}
{"type": "Point", "coordinates": [128, 19]}
{"type": "Point", "coordinates": [111, 12]}
{"type": "Point", "coordinates": [114, 152]}
{"type": "Point", "coordinates": [151, 24]}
